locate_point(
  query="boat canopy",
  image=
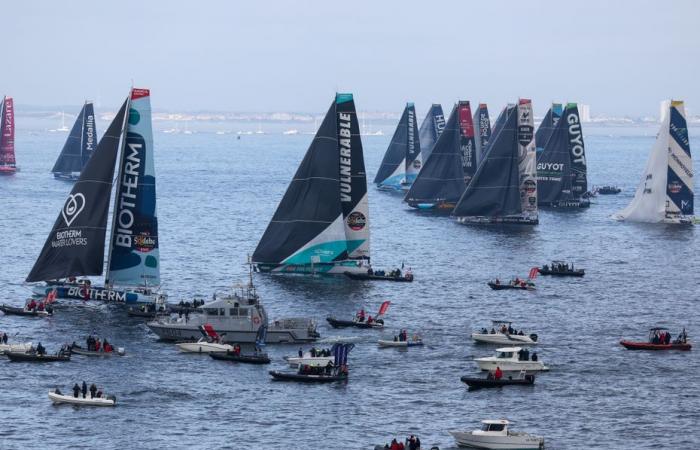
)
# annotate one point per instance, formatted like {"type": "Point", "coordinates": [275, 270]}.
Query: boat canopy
{"type": "Point", "coordinates": [496, 421]}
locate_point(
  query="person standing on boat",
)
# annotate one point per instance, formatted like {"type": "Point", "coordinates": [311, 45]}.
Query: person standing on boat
{"type": "Point", "coordinates": [97, 345]}
{"type": "Point", "coordinates": [93, 390]}
{"type": "Point", "coordinates": [4, 338]}
{"type": "Point", "coordinates": [40, 350]}
{"type": "Point", "coordinates": [498, 374]}
{"type": "Point", "coordinates": [84, 389]}
{"type": "Point", "coordinates": [76, 390]}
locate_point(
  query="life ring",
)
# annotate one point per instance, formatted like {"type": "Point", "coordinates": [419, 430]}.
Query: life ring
{"type": "Point", "coordinates": [256, 320]}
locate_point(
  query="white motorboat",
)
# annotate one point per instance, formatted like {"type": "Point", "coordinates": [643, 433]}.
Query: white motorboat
{"type": "Point", "coordinates": [15, 348]}
{"type": "Point", "coordinates": [510, 359]}
{"type": "Point", "coordinates": [58, 399]}
{"type": "Point", "coordinates": [494, 434]}
{"type": "Point", "coordinates": [501, 335]}
{"type": "Point", "coordinates": [308, 360]}
{"type": "Point", "coordinates": [413, 342]}
{"type": "Point", "coordinates": [203, 346]}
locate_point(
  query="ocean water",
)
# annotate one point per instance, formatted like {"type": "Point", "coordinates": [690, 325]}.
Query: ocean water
{"type": "Point", "coordinates": [216, 195]}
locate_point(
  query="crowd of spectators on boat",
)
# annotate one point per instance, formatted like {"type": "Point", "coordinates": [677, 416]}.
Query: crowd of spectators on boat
{"type": "Point", "coordinates": [95, 345]}
{"type": "Point", "coordinates": [361, 315]}
{"type": "Point", "coordinates": [316, 352]}
{"type": "Point", "coordinates": [412, 443]}
{"type": "Point", "coordinates": [34, 306]}
{"type": "Point", "coordinates": [524, 355]}
{"type": "Point", "coordinates": [503, 330]}
{"type": "Point", "coordinates": [77, 390]}
{"type": "Point", "coordinates": [661, 338]}
{"type": "Point", "coordinates": [403, 336]}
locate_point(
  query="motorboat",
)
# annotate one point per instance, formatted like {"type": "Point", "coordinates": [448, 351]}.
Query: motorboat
{"type": "Point", "coordinates": [405, 278]}
{"type": "Point", "coordinates": [308, 378]}
{"type": "Point", "coordinates": [203, 345]}
{"type": "Point", "coordinates": [495, 434]}
{"type": "Point", "coordinates": [14, 311]}
{"type": "Point", "coordinates": [359, 320]}
{"type": "Point", "coordinates": [414, 341]}
{"type": "Point", "coordinates": [511, 359]}
{"type": "Point", "coordinates": [307, 360]}
{"type": "Point", "coordinates": [607, 190]}
{"type": "Point", "coordinates": [561, 269]}
{"type": "Point", "coordinates": [78, 350]}
{"type": "Point", "coordinates": [58, 398]}
{"type": "Point", "coordinates": [660, 339]}
{"type": "Point", "coordinates": [523, 285]}
{"type": "Point", "coordinates": [522, 379]}
{"type": "Point", "coordinates": [35, 357]}
{"type": "Point", "coordinates": [501, 335]}
{"type": "Point", "coordinates": [237, 317]}
{"type": "Point", "coordinates": [248, 358]}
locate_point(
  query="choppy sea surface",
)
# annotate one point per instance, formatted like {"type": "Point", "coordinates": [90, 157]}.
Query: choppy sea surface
{"type": "Point", "coordinates": [216, 195]}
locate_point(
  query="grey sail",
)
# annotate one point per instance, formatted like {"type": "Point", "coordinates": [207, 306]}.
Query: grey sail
{"type": "Point", "coordinates": [79, 145]}
{"type": "Point", "coordinates": [430, 130]}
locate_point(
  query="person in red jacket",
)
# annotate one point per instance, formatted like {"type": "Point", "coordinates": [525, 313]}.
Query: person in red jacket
{"type": "Point", "coordinates": [97, 344]}
{"type": "Point", "coordinates": [498, 374]}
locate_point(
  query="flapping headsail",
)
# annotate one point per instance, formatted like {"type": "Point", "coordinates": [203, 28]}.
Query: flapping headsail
{"type": "Point", "coordinates": [134, 258]}
{"type": "Point", "coordinates": [323, 216]}
{"type": "Point", "coordinates": [549, 123]}
{"type": "Point", "coordinates": [7, 133]}
{"type": "Point", "coordinates": [483, 131]}
{"type": "Point", "coordinates": [430, 130]}
{"type": "Point", "coordinates": [392, 171]}
{"type": "Point", "coordinates": [80, 143]}
{"type": "Point", "coordinates": [75, 246]}
{"type": "Point", "coordinates": [665, 193]}
{"type": "Point", "coordinates": [441, 181]}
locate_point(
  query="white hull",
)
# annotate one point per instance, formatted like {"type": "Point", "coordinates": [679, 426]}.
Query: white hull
{"type": "Point", "coordinates": [491, 363]}
{"type": "Point", "coordinates": [320, 361]}
{"type": "Point", "coordinates": [505, 339]}
{"type": "Point", "coordinates": [88, 401]}
{"type": "Point", "coordinates": [514, 441]}
{"type": "Point", "coordinates": [15, 348]}
{"type": "Point", "coordinates": [203, 347]}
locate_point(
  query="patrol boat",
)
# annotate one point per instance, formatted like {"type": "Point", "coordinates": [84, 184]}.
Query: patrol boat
{"type": "Point", "coordinates": [237, 318]}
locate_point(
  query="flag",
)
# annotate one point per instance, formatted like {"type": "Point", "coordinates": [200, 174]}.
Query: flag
{"type": "Point", "coordinates": [383, 309]}
{"type": "Point", "coordinates": [261, 336]}
{"type": "Point", "coordinates": [340, 353]}
{"type": "Point", "coordinates": [533, 273]}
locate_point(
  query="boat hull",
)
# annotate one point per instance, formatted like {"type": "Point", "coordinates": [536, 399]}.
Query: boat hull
{"type": "Point", "coordinates": [97, 293]}
{"type": "Point", "coordinates": [516, 220]}
{"type": "Point", "coordinates": [490, 364]}
{"type": "Point", "coordinates": [15, 348]}
{"type": "Point", "coordinates": [318, 361]}
{"type": "Point", "coordinates": [83, 352]}
{"type": "Point", "coordinates": [12, 311]}
{"type": "Point", "coordinates": [513, 441]}
{"type": "Point", "coordinates": [80, 401]}
{"type": "Point", "coordinates": [337, 323]}
{"type": "Point", "coordinates": [334, 268]}
{"type": "Point", "coordinates": [66, 176]}
{"type": "Point", "coordinates": [485, 383]}
{"type": "Point", "coordinates": [400, 344]}
{"type": "Point", "coordinates": [33, 357]}
{"type": "Point", "coordinates": [190, 332]}
{"type": "Point", "coordinates": [203, 347]}
{"type": "Point", "coordinates": [242, 358]}
{"type": "Point", "coordinates": [502, 287]}
{"type": "Point", "coordinates": [631, 345]}
{"type": "Point", "coordinates": [575, 273]}
{"type": "Point", "coordinates": [368, 277]}
{"type": "Point", "coordinates": [499, 338]}
{"type": "Point", "coordinates": [284, 376]}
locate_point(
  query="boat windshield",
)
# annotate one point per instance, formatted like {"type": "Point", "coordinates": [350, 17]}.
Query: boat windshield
{"type": "Point", "coordinates": [505, 355]}
{"type": "Point", "coordinates": [492, 427]}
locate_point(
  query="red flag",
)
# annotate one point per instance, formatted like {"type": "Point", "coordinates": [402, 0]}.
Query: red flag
{"type": "Point", "coordinates": [210, 332]}
{"type": "Point", "coordinates": [533, 273]}
{"type": "Point", "coordinates": [383, 309]}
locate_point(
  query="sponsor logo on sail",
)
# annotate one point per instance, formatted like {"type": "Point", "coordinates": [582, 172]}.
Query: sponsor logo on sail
{"type": "Point", "coordinates": [73, 207]}
{"type": "Point", "coordinates": [576, 139]}
{"type": "Point", "coordinates": [356, 221]}
{"type": "Point", "coordinates": [344, 145]}
{"type": "Point", "coordinates": [416, 164]}
{"type": "Point", "coordinates": [7, 128]}
{"type": "Point", "coordinates": [554, 167]}
{"type": "Point", "coordinates": [144, 242]}
{"type": "Point", "coordinates": [90, 133]}
{"type": "Point", "coordinates": [674, 187]}
{"type": "Point", "coordinates": [530, 186]}
{"type": "Point", "coordinates": [411, 134]}
{"type": "Point", "coordinates": [128, 187]}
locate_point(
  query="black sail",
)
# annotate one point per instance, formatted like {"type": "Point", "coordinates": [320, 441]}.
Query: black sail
{"type": "Point", "coordinates": [75, 246]}
{"type": "Point", "coordinates": [70, 159]}
{"type": "Point", "coordinates": [495, 188]}
{"type": "Point", "coordinates": [442, 178]}
{"type": "Point", "coordinates": [310, 205]}
{"type": "Point", "coordinates": [554, 168]}
{"type": "Point", "coordinates": [579, 173]}
{"type": "Point", "coordinates": [395, 155]}
{"type": "Point", "coordinates": [430, 130]}
{"type": "Point", "coordinates": [483, 131]}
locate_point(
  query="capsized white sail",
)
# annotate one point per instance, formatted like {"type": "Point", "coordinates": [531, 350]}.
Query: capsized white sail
{"type": "Point", "coordinates": [665, 192]}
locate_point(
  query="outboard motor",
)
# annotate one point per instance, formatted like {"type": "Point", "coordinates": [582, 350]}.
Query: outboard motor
{"type": "Point", "coordinates": [533, 336]}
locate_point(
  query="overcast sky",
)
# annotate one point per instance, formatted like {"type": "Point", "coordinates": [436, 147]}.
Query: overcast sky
{"type": "Point", "coordinates": [621, 57]}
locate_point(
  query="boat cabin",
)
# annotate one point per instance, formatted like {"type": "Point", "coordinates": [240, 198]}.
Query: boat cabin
{"type": "Point", "coordinates": [507, 352]}
{"type": "Point", "coordinates": [494, 427]}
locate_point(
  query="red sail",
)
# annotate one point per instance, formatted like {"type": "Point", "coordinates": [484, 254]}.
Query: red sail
{"type": "Point", "coordinates": [7, 133]}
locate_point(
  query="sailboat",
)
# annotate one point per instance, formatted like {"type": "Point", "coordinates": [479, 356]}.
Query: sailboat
{"type": "Point", "coordinates": [544, 131]}
{"type": "Point", "coordinates": [504, 188]}
{"type": "Point", "coordinates": [8, 164]}
{"type": "Point", "coordinates": [665, 193]}
{"type": "Point", "coordinates": [561, 165]}
{"type": "Point", "coordinates": [402, 160]}
{"type": "Point", "coordinates": [75, 246]}
{"type": "Point", "coordinates": [450, 167]}
{"type": "Point", "coordinates": [483, 131]}
{"type": "Point", "coordinates": [430, 130]}
{"type": "Point", "coordinates": [78, 147]}
{"type": "Point", "coordinates": [322, 223]}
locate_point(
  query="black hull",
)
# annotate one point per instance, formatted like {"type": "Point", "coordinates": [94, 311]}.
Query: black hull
{"type": "Point", "coordinates": [336, 323]}
{"type": "Point", "coordinates": [248, 359]}
{"type": "Point", "coordinates": [12, 311]}
{"type": "Point", "coordinates": [501, 287]}
{"type": "Point", "coordinates": [368, 277]}
{"type": "Point", "coordinates": [485, 383]}
{"type": "Point", "coordinates": [286, 376]}
{"type": "Point", "coordinates": [575, 273]}
{"type": "Point", "coordinates": [32, 357]}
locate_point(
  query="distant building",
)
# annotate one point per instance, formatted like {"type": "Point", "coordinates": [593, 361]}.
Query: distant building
{"type": "Point", "coordinates": [584, 112]}
{"type": "Point", "coordinates": [663, 109]}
